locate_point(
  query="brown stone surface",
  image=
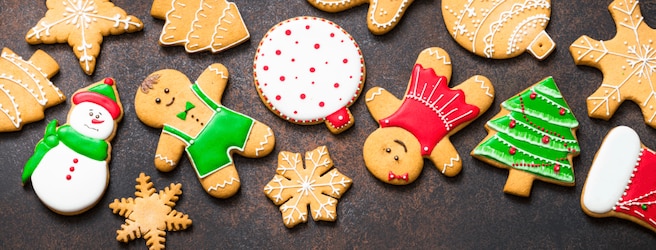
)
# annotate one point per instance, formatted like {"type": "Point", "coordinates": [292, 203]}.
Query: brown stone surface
{"type": "Point", "coordinates": [466, 211]}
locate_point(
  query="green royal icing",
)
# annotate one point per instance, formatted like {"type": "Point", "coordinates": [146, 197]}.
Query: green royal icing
{"type": "Point", "coordinates": [531, 153]}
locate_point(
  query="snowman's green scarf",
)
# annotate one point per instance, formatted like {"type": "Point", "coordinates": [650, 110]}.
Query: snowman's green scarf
{"type": "Point", "coordinates": [93, 148]}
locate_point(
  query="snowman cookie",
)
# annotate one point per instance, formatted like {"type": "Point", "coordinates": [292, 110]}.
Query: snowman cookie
{"type": "Point", "coordinates": [192, 119]}
{"type": "Point", "coordinates": [419, 125]}
{"type": "Point", "coordinates": [308, 70]}
{"type": "Point", "coordinates": [69, 168]}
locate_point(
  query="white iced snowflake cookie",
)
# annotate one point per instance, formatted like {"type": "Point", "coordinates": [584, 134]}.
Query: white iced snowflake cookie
{"type": "Point", "coordinates": [500, 29]}
{"type": "Point", "coordinates": [308, 70]}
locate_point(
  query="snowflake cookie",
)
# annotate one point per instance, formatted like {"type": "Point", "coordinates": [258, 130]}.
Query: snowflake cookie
{"type": "Point", "coordinates": [621, 180]}
{"type": "Point", "coordinates": [383, 15]}
{"type": "Point", "coordinates": [628, 63]}
{"type": "Point", "coordinates": [500, 29]}
{"type": "Point", "coordinates": [318, 185]}
{"type": "Point", "coordinates": [308, 70]}
{"type": "Point", "coordinates": [151, 214]}
{"type": "Point", "coordinates": [25, 88]}
{"type": "Point", "coordinates": [419, 125]}
{"type": "Point", "coordinates": [213, 25]}
{"type": "Point", "coordinates": [533, 136]}
{"type": "Point", "coordinates": [82, 24]}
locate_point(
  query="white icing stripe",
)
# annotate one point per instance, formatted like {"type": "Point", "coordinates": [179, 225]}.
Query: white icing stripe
{"type": "Point", "coordinates": [611, 170]}
{"type": "Point", "coordinates": [223, 185]}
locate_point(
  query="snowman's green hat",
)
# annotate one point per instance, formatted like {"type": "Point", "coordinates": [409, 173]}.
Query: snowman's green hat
{"type": "Point", "coordinates": [103, 94]}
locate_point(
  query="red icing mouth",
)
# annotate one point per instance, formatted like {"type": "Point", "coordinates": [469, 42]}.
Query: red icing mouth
{"type": "Point", "coordinates": [96, 121]}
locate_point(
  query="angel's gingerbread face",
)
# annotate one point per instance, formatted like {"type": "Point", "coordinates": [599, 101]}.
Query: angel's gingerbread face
{"type": "Point", "coordinates": [393, 155]}
{"type": "Point", "coordinates": [164, 98]}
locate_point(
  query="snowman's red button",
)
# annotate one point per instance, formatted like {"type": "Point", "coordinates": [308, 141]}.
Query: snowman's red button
{"type": "Point", "coordinates": [75, 160]}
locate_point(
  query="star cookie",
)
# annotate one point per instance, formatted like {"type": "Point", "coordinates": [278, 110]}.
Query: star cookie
{"type": "Point", "coordinates": [82, 24]}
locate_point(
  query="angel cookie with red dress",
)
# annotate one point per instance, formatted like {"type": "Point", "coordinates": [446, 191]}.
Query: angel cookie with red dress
{"type": "Point", "coordinates": [419, 125]}
{"type": "Point", "coordinates": [193, 120]}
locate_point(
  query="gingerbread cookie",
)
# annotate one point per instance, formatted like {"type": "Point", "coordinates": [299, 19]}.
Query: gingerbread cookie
{"type": "Point", "coordinates": [621, 180]}
{"type": "Point", "coordinates": [82, 24]}
{"type": "Point", "coordinates": [25, 88]}
{"type": "Point", "coordinates": [317, 185]}
{"type": "Point", "coordinates": [213, 25]}
{"type": "Point", "coordinates": [500, 29]}
{"type": "Point", "coordinates": [533, 136]}
{"type": "Point", "coordinates": [308, 70]}
{"type": "Point", "coordinates": [193, 120]}
{"type": "Point", "coordinates": [419, 125]}
{"type": "Point", "coordinates": [383, 15]}
{"type": "Point", "coordinates": [150, 214]}
{"type": "Point", "coordinates": [69, 168]}
{"type": "Point", "coordinates": [626, 62]}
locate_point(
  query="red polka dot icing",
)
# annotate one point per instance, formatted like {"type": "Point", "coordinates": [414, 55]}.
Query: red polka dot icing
{"type": "Point", "coordinates": [308, 68]}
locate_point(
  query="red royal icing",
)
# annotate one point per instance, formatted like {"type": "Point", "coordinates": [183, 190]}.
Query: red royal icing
{"type": "Point", "coordinates": [639, 199]}
{"type": "Point", "coordinates": [430, 109]}
{"type": "Point", "coordinates": [340, 118]}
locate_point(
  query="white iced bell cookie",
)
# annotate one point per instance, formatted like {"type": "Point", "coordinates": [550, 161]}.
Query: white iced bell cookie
{"type": "Point", "coordinates": [309, 70]}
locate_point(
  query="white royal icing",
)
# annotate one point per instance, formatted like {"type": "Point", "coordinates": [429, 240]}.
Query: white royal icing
{"type": "Point", "coordinates": [92, 120]}
{"type": "Point", "coordinates": [308, 68]}
{"type": "Point", "coordinates": [611, 170]}
{"type": "Point", "coordinates": [86, 185]}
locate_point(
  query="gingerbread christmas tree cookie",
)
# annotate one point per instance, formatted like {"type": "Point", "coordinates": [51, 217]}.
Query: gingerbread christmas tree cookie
{"type": "Point", "coordinates": [82, 24]}
{"type": "Point", "coordinates": [420, 124]}
{"type": "Point", "coordinates": [150, 214]}
{"type": "Point", "coordinates": [25, 88]}
{"type": "Point", "coordinates": [500, 29]}
{"type": "Point", "coordinates": [317, 185]}
{"type": "Point", "coordinates": [627, 62]}
{"type": "Point", "coordinates": [382, 16]}
{"type": "Point", "coordinates": [199, 25]}
{"type": "Point", "coordinates": [534, 136]}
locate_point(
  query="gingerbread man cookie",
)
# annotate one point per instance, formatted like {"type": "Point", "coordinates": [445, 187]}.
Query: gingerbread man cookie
{"type": "Point", "coordinates": [626, 61]}
{"type": "Point", "coordinates": [419, 125]}
{"type": "Point", "coordinates": [383, 15]}
{"type": "Point", "coordinates": [193, 120]}
{"type": "Point", "coordinates": [82, 24]}
{"type": "Point", "coordinates": [213, 25]}
{"type": "Point", "coordinates": [500, 29]}
{"type": "Point", "coordinates": [26, 89]}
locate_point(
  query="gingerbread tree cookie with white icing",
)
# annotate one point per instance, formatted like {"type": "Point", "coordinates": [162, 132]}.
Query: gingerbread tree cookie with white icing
{"type": "Point", "coordinates": [193, 120]}
{"type": "Point", "coordinates": [25, 89]}
{"type": "Point", "coordinates": [621, 180]}
{"type": "Point", "coordinates": [627, 62]}
{"type": "Point", "coordinates": [308, 70]}
{"type": "Point", "coordinates": [200, 25]}
{"type": "Point", "coordinates": [419, 125]}
{"type": "Point", "coordinates": [382, 16]}
{"type": "Point", "coordinates": [82, 24]}
{"type": "Point", "coordinates": [500, 29]}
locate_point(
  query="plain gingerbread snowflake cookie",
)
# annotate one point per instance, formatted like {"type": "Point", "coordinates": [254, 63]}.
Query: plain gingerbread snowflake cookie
{"type": "Point", "coordinates": [500, 29]}
{"type": "Point", "coordinates": [308, 70]}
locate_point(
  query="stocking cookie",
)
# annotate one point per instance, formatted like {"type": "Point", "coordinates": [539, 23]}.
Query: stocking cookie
{"type": "Point", "coordinates": [82, 24]}
{"type": "Point", "coordinates": [419, 125]}
{"type": "Point", "coordinates": [500, 29]}
{"type": "Point", "coordinates": [199, 25]}
{"type": "Point", "coordinates": [621, 180]}
{"type": "Point", "coordinates": [193, 120]}
{"type": "Point", "coordinates": [626, 61]}
{"type": "Point", "coordinates": [383, 15]}
{"type": "Point", "coordinates": [25, 89]}
{"type": "Point", "coordinates": [308, 70]}
{"type": "Point", "coordinates": [69, 168]}
{"type": "Point", "coordinates": [534, 136]}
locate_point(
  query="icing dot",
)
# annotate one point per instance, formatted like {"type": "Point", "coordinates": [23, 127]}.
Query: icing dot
{"type": "Point", "coordinates": [302, 96]}
{"type": "Point", "coordinates": [426, 149]}
{"type": "Point", "coordinates": [295, 112]}
{"type": "Point", "coordinates": [265, 68]}
{"type": "Point", "coordinates": [75, 160]}
{"type": "Point", "coordinates": [512, 150]}
{"type": "Point", "coordinates": [332, 34]}
{"type": "Point", "coordinates": [312, 69]}
{"type": "Point", "coordinates": [288, 32]}
{"type": "Point", "coordinates": [68, 177]}
{"type": "Point", "coordinates": [557, 168]}
{"type": "Point", "coordinates": [293, 60]}
{"type": "Point", "coordinates": [278, 52]}
{"type": "Point", "coordinates": [533, 95]}
{"type": "Point", "coordinates": [307, 27]}
{"type": "Point", "coordinates": [109, 81]}
{"type": "Point", "coordinates": [71, 169]}
{"type": "Point", "coordinates": [336, 85]}
{"type": "Point", "coordinates": [562, 111]}
{"type": "Point", "coordinates": [345, 60]}
{"type": "Point", "coordinates": [545, 139]}
{"type": "Point", "coordinates": [321, 104]}
{"type": "Point", "coordinates": [512, 124]}
{"type": "Point", "coordinates": [282, 78]}
{"type": "Point", "coordinates": [340, 117]}
{"type": "Point", "coordinates": [644, 207]}
{"type": "Point", "coordinates": [316, 46]}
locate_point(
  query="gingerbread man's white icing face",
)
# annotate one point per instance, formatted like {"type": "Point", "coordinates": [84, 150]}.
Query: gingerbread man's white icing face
{"type": "Point", "coordinates": [91, 120]}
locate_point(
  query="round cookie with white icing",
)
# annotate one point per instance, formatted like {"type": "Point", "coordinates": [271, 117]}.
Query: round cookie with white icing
{"type": "Point", "coordinates": [500, 29]}
{"type": "Point", "coordinates": [621, 180]}
{"type": "Point", "coordinates": [308, 70]}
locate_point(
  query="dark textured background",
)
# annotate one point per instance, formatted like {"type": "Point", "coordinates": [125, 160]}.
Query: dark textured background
{"type": "Point", "coordinates": [467, 211]}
